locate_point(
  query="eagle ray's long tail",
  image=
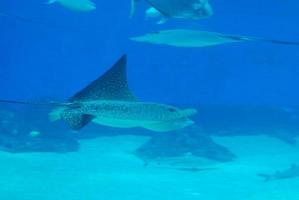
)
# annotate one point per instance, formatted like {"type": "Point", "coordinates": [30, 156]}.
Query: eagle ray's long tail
{"type": "Point", "coordinates": [251, 38]}
{"type": "Point", "coordinates": [50, 103]}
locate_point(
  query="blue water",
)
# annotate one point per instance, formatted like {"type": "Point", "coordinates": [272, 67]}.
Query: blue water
{"type": "Point", "coordinates": [68, 49]}
{"type": "Point", "coordinates": [246, 94]}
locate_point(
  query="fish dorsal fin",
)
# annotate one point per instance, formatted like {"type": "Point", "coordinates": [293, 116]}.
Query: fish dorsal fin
{"type": "Point", "coordinates": [112, 85]}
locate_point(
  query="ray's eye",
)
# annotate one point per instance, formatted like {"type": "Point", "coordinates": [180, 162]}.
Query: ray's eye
{"type": "Point", "coordinates": [171, 109]}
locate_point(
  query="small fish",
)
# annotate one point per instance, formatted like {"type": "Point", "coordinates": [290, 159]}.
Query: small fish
{"type": "Point", "coordinates": [76, 5]}
{"type": "Point", "coordinates": [292, 172]}
{"type": "Point", "coordinates": [194, 38]}
{"type": "Point", "coordinates": [34, 133]}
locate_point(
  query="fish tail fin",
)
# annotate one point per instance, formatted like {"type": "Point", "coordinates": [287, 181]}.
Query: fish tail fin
{"type": "Point", "coordinates": [266, 177]}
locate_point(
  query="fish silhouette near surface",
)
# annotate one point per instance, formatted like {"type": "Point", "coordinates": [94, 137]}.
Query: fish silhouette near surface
{"type": "Point", "coordinates": [292, 172]}
{"type": "Point", "coordinates": [108, 101]}
{"type": "Point", "coordinates": [179, 9]}
{"type": "Point", "coordinates": [76, 5]}
{"type": "Point", "coordinates": [194, 38]}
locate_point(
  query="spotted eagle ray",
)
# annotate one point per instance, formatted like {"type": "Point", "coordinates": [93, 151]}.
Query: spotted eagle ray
{"type": "Point", "coordinates": [108, 101]}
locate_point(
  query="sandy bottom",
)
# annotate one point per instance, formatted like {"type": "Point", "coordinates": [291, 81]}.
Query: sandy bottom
{"type": "Point", "coordinates": [105, 169]}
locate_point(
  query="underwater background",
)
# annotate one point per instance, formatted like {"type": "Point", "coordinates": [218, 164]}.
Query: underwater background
{"type": "Point", "coordinates": [246, 95]}
{"type": "Point", "coordinates": [59, 51]}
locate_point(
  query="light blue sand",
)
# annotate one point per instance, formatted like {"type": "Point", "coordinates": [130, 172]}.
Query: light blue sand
{"type": "Point", "coordinates": [105, 169]}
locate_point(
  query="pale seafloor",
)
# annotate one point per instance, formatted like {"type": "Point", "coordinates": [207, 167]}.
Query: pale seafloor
{"type": "Point", "coordinates": [104, 166]}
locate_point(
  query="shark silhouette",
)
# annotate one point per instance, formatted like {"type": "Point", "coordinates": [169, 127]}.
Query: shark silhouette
{"type": "Point", "coordinates": [108, 101]}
